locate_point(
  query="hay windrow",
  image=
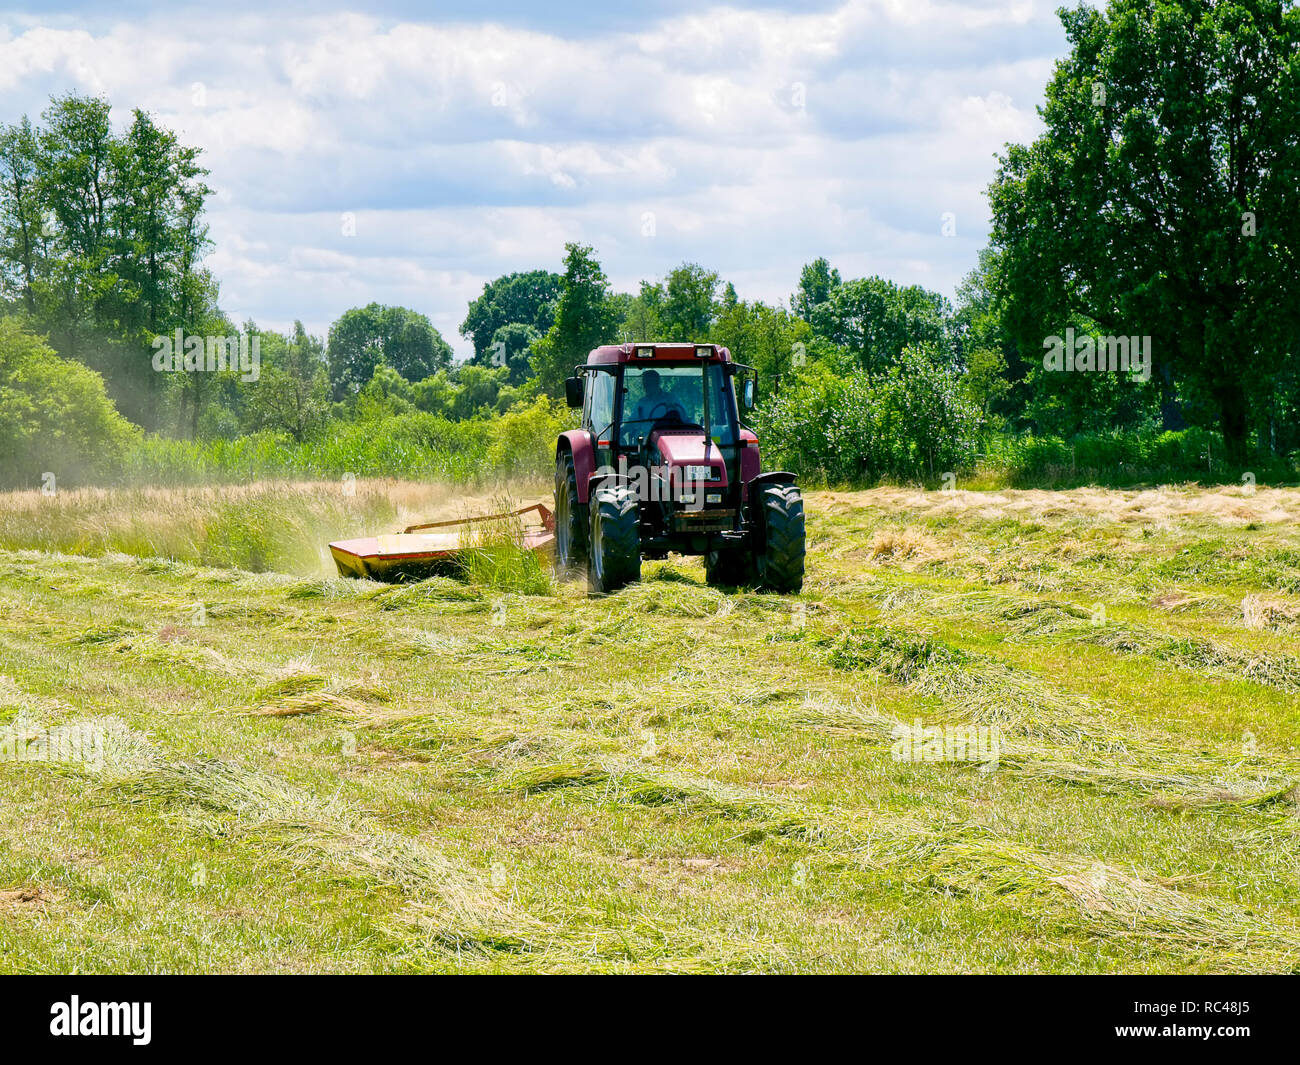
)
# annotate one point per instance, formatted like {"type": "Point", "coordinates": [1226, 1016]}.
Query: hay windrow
{"type": "Point", "coordinates": [326, 835]}
{"type": "Point", "coordinates": [1167, 778]}
{"type": "Point", "coordinates": [985, 690]}
{"type": "Point", "coordinates": [1104, 899]}
{"type": "Point", "coordinates": [1043, 618]}
{"type": "Point", "coordinates": [656, 787]}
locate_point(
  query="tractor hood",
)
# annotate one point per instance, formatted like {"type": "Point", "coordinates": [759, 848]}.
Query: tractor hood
{"type": "Point", "coordinates": [680, 450]}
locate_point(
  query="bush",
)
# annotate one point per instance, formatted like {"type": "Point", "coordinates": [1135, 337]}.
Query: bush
{"type": "Point", "coordinates": [523, 439]}
{"type": "Point", "coordinates": [54, 415]}
{"type": "Point", "coordinates": [913, 421]}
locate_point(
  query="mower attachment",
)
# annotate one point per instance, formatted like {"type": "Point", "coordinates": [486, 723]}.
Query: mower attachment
{"type": "Point", "coordinates": [416, 552]}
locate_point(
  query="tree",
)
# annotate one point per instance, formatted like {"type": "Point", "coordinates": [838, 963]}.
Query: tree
{"type": "Point", "coordinates": [509, 350]}
{"type": "Point", "coordinates": [365, 337]}
{"type": "Point", "coordinates": [1163, 198]}
{"type": "Point", "coordinates": [584, 319]}
{"type": "Point", "coordinates": [100, 240]}
{"type": "Point", "coordinates": [817, 281]}
{"type": "Point", "coordinates": [156, 181]}
{"type": "Point", "coordinates": [76, 160]}
{"type": "Point", "coordinates": [993, 365]}
{"type": "Point", "coordinates": [22, 242]}
{"type": "Point", "coordinates": [292, 394]}
{"type": "Point", "coordinates": [385, 394]}
{"type": "Point", "coordinates": [520, 298]}
{"type": "Point", "coordinates": [478, 390]}
{"type": "Point", "coordinates": [687, 308]}
{"type": "Point", "coordinates": [874, 320]}
{"type": "Point", "coordinates": [770, 339]}
{"type": "Point", "coordinates": [642, 317]}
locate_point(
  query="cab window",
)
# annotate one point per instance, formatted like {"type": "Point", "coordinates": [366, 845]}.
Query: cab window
{"type": "Point", "coordinates": [600, 402]}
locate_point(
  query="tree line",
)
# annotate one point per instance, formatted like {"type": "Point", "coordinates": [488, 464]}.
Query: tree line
{"type": "Point", "coordinates": [1162, 201]}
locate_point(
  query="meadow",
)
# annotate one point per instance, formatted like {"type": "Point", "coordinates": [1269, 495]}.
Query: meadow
{"type": "Point", "coordinates": [300, 773]}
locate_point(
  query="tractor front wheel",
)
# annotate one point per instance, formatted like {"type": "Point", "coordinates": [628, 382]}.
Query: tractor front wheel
{"type": "Point", "coordinates": [779, 551]}
{"type": "Point", "coordinates": [614, 558]}
{"type": "Point", "coordinates": [570, 520]}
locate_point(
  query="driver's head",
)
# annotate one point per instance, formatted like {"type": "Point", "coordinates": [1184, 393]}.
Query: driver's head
{"type": "Point", "coordinates": [651, 381]}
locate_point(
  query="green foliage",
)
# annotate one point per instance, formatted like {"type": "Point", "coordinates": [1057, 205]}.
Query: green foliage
{"type": "Point", "coordinates": [817, 281]}
{"type": "Point", "coordinates": [365, 337]}
{"type": "Point", "coordinates": [523, 439]}
{"type": "Point", "coordinates": [1163, 198]}
{"type": "Point", "coordinates": [101, 240]}
{"type": "Point", "coordinates": [509, 349]}
{"type": "Point", "coordinates": [524, 299]}
{"type": "Point", "coordinates": [688, 308]}
{"type": "Point", "coordinates": [385, 394]}
{"type": "Point", "coordinates": [478, 391]}
{"type": "Point", "coordinates": [913, 421]}
{"type": "Point", "coordinates": [1116, 457]}
{"type": "Point", "coordinates": [584, 319]}
{"type": "Point", "coordinates": [54, 415]}
{"type": "Point", "coordinates": [771, 340]}
{"type": "Point", "coordinates": [292, 394]}
{"type": "Point", "coordinates": [395, 443]}
{"type": "Point", "coordinates": [874, 320]}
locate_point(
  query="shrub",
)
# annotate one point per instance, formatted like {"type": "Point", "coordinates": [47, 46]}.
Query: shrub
{"type": "Point", "coordinates": [910, 422]}
{"type": "Point", "coordinates": [54, 414]}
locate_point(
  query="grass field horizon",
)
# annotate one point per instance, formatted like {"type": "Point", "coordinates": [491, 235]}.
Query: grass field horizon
{"type": "Point", "coordinates": [296, 772]}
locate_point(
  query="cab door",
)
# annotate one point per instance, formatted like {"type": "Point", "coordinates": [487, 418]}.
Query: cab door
{"type": "Point", "coordinates": [598, 414]}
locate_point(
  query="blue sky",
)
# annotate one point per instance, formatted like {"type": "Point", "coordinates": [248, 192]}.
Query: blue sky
{"type": "Point", "coordinates": [468, 139]}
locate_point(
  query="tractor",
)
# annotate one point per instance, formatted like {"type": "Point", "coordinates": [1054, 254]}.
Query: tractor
{"type": "Point", "coordinates": [662, 462]}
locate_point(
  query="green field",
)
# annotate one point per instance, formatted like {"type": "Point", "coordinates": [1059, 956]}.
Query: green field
{"type": "Point", "coordinates": [300, 773]}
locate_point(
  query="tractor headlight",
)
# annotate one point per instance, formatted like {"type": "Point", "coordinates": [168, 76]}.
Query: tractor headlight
{"type": "Point", "coordinates": [686, 497]}
{"type": "Point", "coordinates": [712, 497]}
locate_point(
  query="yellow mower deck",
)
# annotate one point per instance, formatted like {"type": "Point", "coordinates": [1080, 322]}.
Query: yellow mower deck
{"type": "Point", "coordinates": [421, 550]}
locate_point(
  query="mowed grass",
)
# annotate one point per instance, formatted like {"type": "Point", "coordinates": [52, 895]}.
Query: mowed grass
{"type": "Point", "coordinates": [304, 773]}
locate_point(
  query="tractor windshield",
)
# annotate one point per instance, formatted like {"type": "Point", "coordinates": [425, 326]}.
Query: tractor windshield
{"type": "Point", "coordinates": [685, 394]}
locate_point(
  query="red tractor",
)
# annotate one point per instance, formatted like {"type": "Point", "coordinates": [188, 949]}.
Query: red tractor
{"type": "Point", "coordinates": [662, 463]}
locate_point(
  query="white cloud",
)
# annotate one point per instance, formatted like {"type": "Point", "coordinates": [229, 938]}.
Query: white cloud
{"type": "Point", "coordinates": [758, 138]}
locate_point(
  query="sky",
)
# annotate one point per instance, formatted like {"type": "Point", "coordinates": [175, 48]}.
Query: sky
{"type": "Point", "coordinates": [407, 153]}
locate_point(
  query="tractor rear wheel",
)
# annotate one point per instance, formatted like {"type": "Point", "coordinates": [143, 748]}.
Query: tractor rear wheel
{"type": "Point", "coordinates": [614, 558]}
{"type": "Point", "coordinates": [570, 520]}
{"type": "Point", "coordinates": [729, 567]}
{"type": "Point", "coordinates": [779, 550]}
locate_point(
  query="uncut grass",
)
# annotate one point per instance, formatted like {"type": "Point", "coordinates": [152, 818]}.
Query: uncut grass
{"type": "Point", "coordinates": [592, 867]}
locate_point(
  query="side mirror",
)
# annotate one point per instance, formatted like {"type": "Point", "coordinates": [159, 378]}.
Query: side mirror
{"type": "Point", "coordinates": [747, 393]}
{"type": "Point", "coordinates": [573, 391]}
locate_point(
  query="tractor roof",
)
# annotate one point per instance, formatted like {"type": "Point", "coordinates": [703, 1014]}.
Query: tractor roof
{"type": "Point", "coordinates": [675, 352]}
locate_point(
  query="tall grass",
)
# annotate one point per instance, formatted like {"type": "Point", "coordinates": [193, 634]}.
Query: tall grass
{"type": "Point", "coordinates": [416, 446]}
{"type": "Point", "coordinates": [1119, 458]}
{"type": "Point", "coordinates": [269, 526]}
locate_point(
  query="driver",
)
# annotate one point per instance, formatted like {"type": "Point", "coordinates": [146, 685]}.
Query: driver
{"type": "Point", "coordinates": [656, 403]}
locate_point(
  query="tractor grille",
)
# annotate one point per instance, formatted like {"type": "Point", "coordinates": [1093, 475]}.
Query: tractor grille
{"type": "Point", "coordinates": [701, 521]}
